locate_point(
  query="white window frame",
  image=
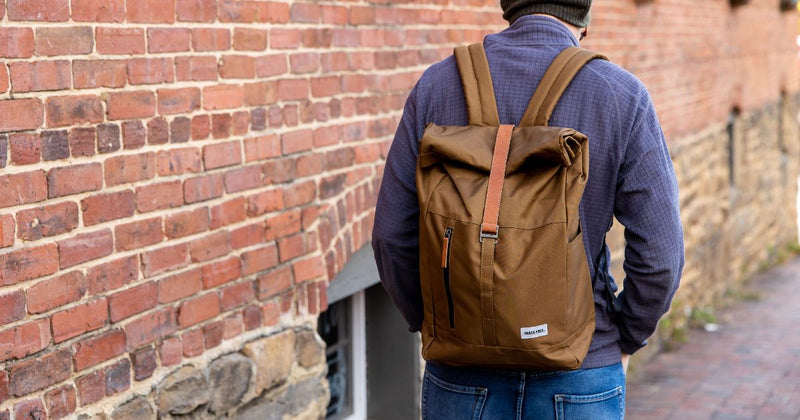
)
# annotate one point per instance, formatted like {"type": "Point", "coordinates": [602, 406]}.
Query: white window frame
{"type": "Point", "coordinates": [359, 356]}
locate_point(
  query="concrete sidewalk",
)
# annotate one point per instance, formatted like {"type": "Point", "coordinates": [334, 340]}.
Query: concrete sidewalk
{"type": "Point", "coordinates": [749, 369]}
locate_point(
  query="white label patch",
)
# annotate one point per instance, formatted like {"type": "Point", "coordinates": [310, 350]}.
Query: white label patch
{"type": "Point", "coordinates": [533, 332]}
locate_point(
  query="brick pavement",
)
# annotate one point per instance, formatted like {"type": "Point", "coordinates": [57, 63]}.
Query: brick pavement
{"type": "Point", "coordinates": [749, 369]}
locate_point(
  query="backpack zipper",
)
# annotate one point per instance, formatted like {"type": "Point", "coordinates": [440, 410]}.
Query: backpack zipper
{"type": "Point", "coordinates": [448, 233]}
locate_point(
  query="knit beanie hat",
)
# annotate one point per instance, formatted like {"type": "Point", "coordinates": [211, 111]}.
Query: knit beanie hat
{"type": "Point", "coordinates": [575, 12]}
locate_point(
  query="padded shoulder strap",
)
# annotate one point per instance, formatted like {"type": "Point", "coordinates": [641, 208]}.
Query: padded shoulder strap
{"type": "Point", "coordinates": [477, 82]}
{"type": "Point", "coordinates": [554, 82]}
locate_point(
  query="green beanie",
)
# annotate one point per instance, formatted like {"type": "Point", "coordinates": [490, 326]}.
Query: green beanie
{"type": "Point", "coordinates": [575, 12]}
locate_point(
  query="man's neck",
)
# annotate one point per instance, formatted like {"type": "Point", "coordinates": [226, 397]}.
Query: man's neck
{"type": "Point", "coordinates": [576, 31]}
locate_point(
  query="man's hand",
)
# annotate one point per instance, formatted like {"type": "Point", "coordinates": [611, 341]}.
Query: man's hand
{"type": "Point", "coordinates": [624, 360]}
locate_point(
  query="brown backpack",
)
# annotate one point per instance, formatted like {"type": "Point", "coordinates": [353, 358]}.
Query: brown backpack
{"type": "Point", "coordinates": [504, 274]}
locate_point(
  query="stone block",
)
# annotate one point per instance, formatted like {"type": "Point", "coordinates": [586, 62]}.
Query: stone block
{"type": "Point", "coordinates": [229, 379]}
{"type": "Point", "coordinates": [274, 356]}
{"type": "Point", "coordinates": [182, 391]}
{"type": "Point", "coordinates": [309, 348]}
{"type": "Point", "coordinates": [300, 398]}
{"type": "Point", "coordinates": [135, 409]}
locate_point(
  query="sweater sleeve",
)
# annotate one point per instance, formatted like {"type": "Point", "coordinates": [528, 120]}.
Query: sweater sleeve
{"type": "Point", "coordinates": [647, 205]}
{"type": "Point", "coordinates": [395, 235]}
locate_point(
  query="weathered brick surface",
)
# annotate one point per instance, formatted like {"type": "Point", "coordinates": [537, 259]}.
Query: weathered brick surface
{"type": "Point", "coordinates": [179, 173]}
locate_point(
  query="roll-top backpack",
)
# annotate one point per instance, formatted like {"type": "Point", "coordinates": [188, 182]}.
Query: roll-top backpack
{"type": "Point", "coordinates": [504, 274]}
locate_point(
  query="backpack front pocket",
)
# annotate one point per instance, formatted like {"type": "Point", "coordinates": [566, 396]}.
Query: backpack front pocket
{"type": "Point", "coordinates": [448, 234]}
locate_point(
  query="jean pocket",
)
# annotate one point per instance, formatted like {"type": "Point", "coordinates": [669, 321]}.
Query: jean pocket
{"type": "Point", "coordinates": [444, 400]}
{"type": "Point", "coordinates": [605, 405]}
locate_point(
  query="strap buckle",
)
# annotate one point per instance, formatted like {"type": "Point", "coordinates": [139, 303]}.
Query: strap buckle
{"type": "Point", "coordinates": [491, 235]}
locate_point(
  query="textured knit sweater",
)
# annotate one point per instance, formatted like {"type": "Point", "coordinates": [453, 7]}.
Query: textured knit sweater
{"type": "Point", "coordinates": [631, 177]}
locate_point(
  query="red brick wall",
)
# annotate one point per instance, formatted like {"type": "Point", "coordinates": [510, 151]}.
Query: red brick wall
{"type": "Point", "coordinates": [179, 173]}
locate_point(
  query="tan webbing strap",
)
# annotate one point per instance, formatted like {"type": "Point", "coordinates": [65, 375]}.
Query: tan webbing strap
{"type": "Point", "coordinates": [553, 84]}
{"type": "Point", "coordinates": [490, 230]}
{"type": "Point", "coordinates": [477, 82]}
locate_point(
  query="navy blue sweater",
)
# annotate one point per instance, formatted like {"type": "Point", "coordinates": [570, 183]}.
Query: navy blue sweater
{"type": "Point", "coordinates": [631, 177]}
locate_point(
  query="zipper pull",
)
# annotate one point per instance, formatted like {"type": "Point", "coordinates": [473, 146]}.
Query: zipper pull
{"type": "Point", "coordinates": [446, 247]}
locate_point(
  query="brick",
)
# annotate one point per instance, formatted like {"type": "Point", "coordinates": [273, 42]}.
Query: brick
{"type": "Point", "coordinates": [113, 275]}
{"type": "Point", "coordinates": [79, 319]}
{"type": "Point", "coordinates": [151, 11]}
{"type": "Point", "coordinates": [121, 41]}
{"type": "Point", "coordinates": [38, 373]}
{"type": "Point", "coordinates": [253, 317]}
{"type": "Point", "coordinates": [87, 74]}
{"type": "Point", "coordinates": [275, 282]}
{"type": "Point", "coordinates": [12, 307]}
{"type": "Point", "coordinates": [106, 207]}
{"type": "Point", "coordinates": [144, 363]}
{"type": "Point", "coordinates": [246, 39]}
{"type": "Point", "coordinates": [28, 263]}
{"type": "Point", "coordinates": [199, 309]}
{"type": "Point", "coordinates": [192, 342]}
{"type": "Point", "coordinates": [308, 269]}
{"type": "Point", "coordinates": [186, 223]}
{"type": "Point", "coordinates": [211, 39]}
{"type": "Point", "coordinates": [16, 42]}
{"type": "Point", "coordinates": [95, 350]}
{"type": "Point", "coordinates": [304, 63]}
{"type": "Point", "coordinates": [133, 301]}
{"type": "Point", "coordinates": [221, 272]}
{"type": "Point", "coordinates": [134, 134]}
{"type": "Point", "coordinates": [131, 168]}
{"type": "Point", "coordinates": [237, 295]}
{"type": "Point", "coordinates": [91, 387]}
{"type": "Point", "coordinates": [32, 10]}
{"type": "Point", "coordinates": [24, 340]}
{"type": "Point", "coordinates": [32, 409]}
{"type": "Point", "coordinates": [98, 10]}
{"type": "Point", "coordinates": [222, 154]}
{"type": "Point", "coordinates": [236, 11]}
{"type": "Point", "coordinates": [222, 97]}
{"type": "Point", "coordinates": [157, 131]}
{"type": "Point", "coordinates": [325, 86]}
{"type": "Point", "coordinates": [233, 325]}
{"type": "Point", "coordinates": [296, 141]}
{"type": "Point", "coordinates": [308, 165]}
{"type": "Point", "coordinates": [210, 247]}
{"type": "Point", "coordinates": [212, 334]}
{"type": "Point", "coordinates": [291, 247]}
{"type": "Point", "coordinates": [3, 75]}
{"type": "Point", "coordinates": [74, 40]}
{"type": "Point", "coordinates": [261, 148]}
{"type": "Point", "coordinates": [161, 40]}
{"type": "Point", "coordinates": [282, 225]}
{"type": "Point", "coordinates": [45, 221]}
{"type": "Point", "coordinates": [150, 327]}
{"type": "Point", "coordinates": [170, 351]}
{"type": "Point", "coordinates": [284, 38]}
{"type": "Point", "coordinates": [260, 259]}
{"type": "Point", "coordinates": [138, 234]}
{"type": "Point", "coordinates": [60, 402]}
{"type": "Point", "coordinates": [196, 68]}
{"type": "Point", "coordinates": [3, 387]}
{"type": "Point", "coordinates": [202, 188]}
{"type": "Point", "coordinates": [293, 89]}
{"type": "Point", "coordinates": [271, 65]}
{"type": "Point", "coordinates": [264, 202]}
{"type": "Point", "coordinates": [299, 194]}
{"type": "Point", "coordinates": [55, 145]}
{"type": "Point", "coordinates": [21, 114]}
{"type": "Point", "coordinates": [40, 76]}
{"type": "Point", "coordinates": [82, 141]}
{"type": "Point", "coordinates": [57, 291]}
{"type": "Point", "coordinates": [159, 196]}
{"type": "Point", "coordinates": [271, 313]}
{"type": "Point", "coordinates": [237, 67]}
{"type": "Point", "coordinates": [180, 130]}
{"type": "Point", "coordinates": [71, 110]}
{"type": "Point", "coordinates": [179, 286]}
{"type": "Point", "coordinates": [229, 212]}
{"type": "Point", "coordinates": [221, 125]}
{"type": "Point", "coordinates": [118, 377]}
{"type": "Point", "coordinates": [196, 10]}
{"type": "Point", "coordinates": [74, 179]}
{"type": "Point", "coordinates": [108, 138]}
{"type": "Point", "coordinates": [142, 71]}
{"type": "Point", "coordinates": [247, 236]}
{"type": "Point", "coordinates": [7, 232]}
{"type": "Point", "coordinates": [178, 101]}
{"type": "Point", "coordinates": [259, 93]}
{"type": "Point", "coordinates": [85, 247]}
{"type": "Point", "coordinates": [241, 179]}
{"type": "Point", "coordinates": [164, 259]}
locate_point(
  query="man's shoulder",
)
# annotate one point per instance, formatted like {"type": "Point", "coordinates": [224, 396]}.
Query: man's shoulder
{"type": "Point", "coordinates": [605, 74]}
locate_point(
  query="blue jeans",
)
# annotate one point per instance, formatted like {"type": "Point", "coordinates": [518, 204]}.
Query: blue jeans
{"type": "Point", "coordinates": [469, 393]}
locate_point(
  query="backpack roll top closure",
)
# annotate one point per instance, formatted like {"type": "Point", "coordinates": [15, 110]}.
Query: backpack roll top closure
{"type": "Point", "coordinates": [503, 270]}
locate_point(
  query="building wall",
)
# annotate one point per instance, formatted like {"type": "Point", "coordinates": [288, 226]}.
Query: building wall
{"type": "Point", "coordinates": [180, 179]}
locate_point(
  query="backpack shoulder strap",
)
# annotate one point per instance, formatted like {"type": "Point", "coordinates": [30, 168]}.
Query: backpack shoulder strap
{"type": "Point", "coordinates": [477, 83]}
{"type": "Point", "coordinates": [554, 82]}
